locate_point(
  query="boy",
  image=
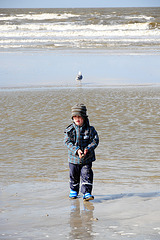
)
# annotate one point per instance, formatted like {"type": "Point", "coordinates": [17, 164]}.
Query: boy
{"type": "Point", "coordinates": [81, 140]}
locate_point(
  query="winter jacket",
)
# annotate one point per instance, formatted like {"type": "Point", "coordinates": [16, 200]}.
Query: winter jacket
{"type": "Point", "coordinates": [84, 137]}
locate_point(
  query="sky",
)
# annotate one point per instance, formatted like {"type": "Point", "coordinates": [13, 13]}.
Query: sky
{"type": "Point", "coordinates": [77, 3]}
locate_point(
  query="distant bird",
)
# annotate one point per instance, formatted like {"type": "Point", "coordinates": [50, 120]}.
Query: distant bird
{"type": "Point", "coordinates": [79, 76]}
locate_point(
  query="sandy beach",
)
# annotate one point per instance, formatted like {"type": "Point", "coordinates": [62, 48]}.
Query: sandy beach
{"type": "Point", "coordinates": [44, 211]}
{"type": "Point", "coordinates": [59, 68]}
{"type": "Point", "coordinates": [41, 52]}
{"type": "Point", "coordinates": [34, 187]}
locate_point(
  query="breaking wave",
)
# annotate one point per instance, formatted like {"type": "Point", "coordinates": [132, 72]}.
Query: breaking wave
{"type": "Point", "coordinates": [80, 28]}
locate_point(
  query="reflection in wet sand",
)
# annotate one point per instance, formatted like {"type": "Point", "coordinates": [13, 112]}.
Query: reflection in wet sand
{"type": "Point", "coordinates": [81, 220]}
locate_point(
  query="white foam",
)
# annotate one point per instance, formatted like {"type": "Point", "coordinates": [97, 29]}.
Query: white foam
{"type": "Point", "coordinates": [77, 33]}
{"type": "Point", "coordinates": [128, 234]}
{"type": "Point", "coordinates": [139, 17]}
{"type": "Point", "coordinates": [113, 227]}
{"type": "Point", "coordinates": [57, 42]}
{"type": "Point", "coordinates": [41, 16]}
{"type": "Point", "coordinates": [66, 27]}
{"type": "Point", "coordinates": [156, 228]}
{"type": "Point", "coordinates": [72, 30]}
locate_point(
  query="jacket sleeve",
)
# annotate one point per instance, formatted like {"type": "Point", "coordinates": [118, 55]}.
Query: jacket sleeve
{"type": "Point", "coordinates": [69, 142]}
{"type": "Point", "coordinates": [94, 139]}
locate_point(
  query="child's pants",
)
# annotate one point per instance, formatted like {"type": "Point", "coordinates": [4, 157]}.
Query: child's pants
{"type": "Point", "coordinates": [86, 174]}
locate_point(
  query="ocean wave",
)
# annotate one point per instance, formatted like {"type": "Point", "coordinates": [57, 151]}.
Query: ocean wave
{"type": "Point", "coordinates": [148, 18]}
{"type": "Point", "coordinates": [66, 27]}
{"type": "Point", "coordinates": [42, 16]}
{"type": "Point", "coordinates": [77, 43]}
{"type": "Point", "coordinates": [80, 28]}
{"type": "Point", "coordinates": [154, 25]}
{"type": "Point", "coordinates": [70, 31]}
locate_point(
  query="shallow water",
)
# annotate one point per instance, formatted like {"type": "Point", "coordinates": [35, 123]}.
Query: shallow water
{"type": "Point", "coordinates": [34, 169]}
{"type": "Point", "coordinates": [60, 68]}
{"type": "Point", "coordinates": [127, 120]}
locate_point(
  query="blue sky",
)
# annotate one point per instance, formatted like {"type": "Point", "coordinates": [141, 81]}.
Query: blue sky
{"type": "Point", "coordinates": [77, 3]}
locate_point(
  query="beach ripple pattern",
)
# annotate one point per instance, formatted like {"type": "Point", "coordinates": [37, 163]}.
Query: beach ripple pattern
{"type": "Point", "coordinates": [127, 120]}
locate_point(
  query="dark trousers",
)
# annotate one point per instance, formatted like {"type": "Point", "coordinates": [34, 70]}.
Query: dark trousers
{"type": "Point", "coordinates": [85, 173]}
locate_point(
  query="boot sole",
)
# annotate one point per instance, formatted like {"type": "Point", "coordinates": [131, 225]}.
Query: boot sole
{"type": "Point", "coordinates": [72, 197]}
{"type": "Point", "coordinates": [87, 199]}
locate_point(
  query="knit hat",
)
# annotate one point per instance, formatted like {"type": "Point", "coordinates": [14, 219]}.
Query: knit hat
{"type": "Point", "coordinates": [79, 110]}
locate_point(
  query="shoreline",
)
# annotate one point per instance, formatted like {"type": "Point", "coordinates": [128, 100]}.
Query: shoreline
{"type": "Point", "coordinates": [81, 85]}
{"type": "Point", "coordinates": [69, 51]}
{"type": "Point", "coordinates": [50, 69]}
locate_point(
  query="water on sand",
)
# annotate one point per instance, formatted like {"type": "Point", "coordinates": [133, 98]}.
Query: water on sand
{"type": "Point", "coordinates": [34, 168]}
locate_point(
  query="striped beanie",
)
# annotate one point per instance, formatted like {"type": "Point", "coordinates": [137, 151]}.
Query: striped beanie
{"type": "Point", "coordinates": [79, 110]}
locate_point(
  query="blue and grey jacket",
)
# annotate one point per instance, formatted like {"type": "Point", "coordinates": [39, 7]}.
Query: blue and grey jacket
{"type": "Point", "coordinates": [84, 137]}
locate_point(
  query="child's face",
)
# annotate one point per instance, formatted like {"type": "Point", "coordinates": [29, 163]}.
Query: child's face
{"type": "Point", "coordinates": [78, 120]}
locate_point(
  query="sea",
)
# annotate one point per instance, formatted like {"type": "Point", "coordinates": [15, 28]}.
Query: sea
{"type": "Point", "coordinates": [137, 29]}
{"type": "Point", "coordinates": [118, 52]}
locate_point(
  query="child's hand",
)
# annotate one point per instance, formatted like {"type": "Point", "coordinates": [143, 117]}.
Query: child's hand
{"type": "Point", "coordinates": [85, 151]}
{"type": "Point", "coordinates": [80, 153]}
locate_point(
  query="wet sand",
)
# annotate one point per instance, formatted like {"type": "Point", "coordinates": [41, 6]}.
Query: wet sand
{"type": "Point", "coordinates": [44, 211]}
{"type": "Point", "coordinates": [59, 68]}
{"type": "Point", "coordinates": [34, 189]}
